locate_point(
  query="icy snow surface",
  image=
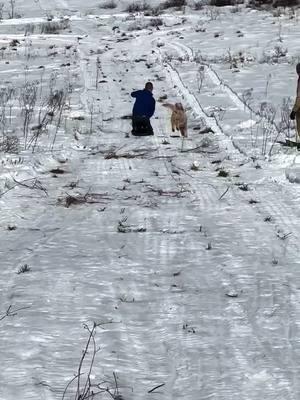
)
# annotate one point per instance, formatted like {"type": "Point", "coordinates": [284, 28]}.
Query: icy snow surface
{"type": "Point", "coordinates": [186, 252]}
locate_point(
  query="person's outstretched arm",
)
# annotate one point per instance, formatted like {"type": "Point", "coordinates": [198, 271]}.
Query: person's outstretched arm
{"type": "Point", "coordinates": [135, 93]}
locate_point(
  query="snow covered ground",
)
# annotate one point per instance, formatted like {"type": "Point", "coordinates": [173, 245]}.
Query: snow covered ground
{"type": "Point", "coordinates": [186, 253]}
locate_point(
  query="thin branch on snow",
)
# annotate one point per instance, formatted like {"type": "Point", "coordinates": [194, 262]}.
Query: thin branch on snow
{"type": "Point", "coordinates": [11, 312]}
{"type": "Point", "coordinates": [199, 149]}
{"type": "Point", "coordinates": [171, 193]}
{"type": "Point", "coordinates": [221, 197]}
{"type": "Point", "coordinates": [156, 387]}
{"type": "Point", "coordinates": [36, 184]}
{"type": "Point", "coordinates": [85, 388]}
{"type": "Point", "coordinates": [26, 183]}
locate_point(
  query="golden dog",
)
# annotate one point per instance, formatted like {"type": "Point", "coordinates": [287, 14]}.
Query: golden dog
{"type": "Point", "coordinates": [178, 118]}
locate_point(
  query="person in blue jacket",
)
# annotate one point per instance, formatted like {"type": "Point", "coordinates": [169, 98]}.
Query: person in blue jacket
{"type": "Point", "coordinates": [143, 110]}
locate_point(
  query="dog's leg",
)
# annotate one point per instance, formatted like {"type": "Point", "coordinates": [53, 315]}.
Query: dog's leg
{"type": "Point", "coordinates": [183, 131]}
{"type": "Point", "coordinates": [173, 123]}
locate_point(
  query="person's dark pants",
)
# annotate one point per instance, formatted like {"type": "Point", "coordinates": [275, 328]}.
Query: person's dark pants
{"type": "Point", "coordinates": [141, 126]}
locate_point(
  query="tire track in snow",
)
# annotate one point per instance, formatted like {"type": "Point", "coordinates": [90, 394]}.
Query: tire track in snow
{"type": "Point", "coordinates": [276, 209]}
{"type": "Point", "coordinates": [175, 80]}
{"type": "Point", "coordinates": [247, 321]}
{"type": "Point", "coordinates": [241, 311]}
{"type": "Point", "coordinates": [280, 213]}
{"type": "Point", "coordinates": [225, 87]}
{"type": "Point", "coordinates": [193, 102]}
{"type": "Point", "coordinates": [284, 217]}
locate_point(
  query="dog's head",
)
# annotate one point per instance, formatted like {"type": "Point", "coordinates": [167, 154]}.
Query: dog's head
{"type": "Point", "coordinates": [179, 106]}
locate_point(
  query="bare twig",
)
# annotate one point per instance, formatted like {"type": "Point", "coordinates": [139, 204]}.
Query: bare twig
{"type": "Point", "coordinates": [89, 198]}
{"type": "Point", "coordinates": [88, 380]}
{"type": "Point", "coordinates": [224, 193]}
{"type": "Point", "coordinates": [66, 388]}
{"type": "Point", "coordinates": [11, 313]}
{"type": "Point", "coordinates": [36, 184]}
{"type": "Point", "coordinates": [283, 236]}
{"type": "Point", "coordinates": [116, 393]}
{"type": "Point", "coordinates": [156, 387]}
{"type": "Point", "coordinates": [199, 149]}
{"type": "Point", "coordinates": [171, 193]}
{"type": "Point", "coordinates": [84, 353]}
{"type": "Point", "coordinates": [85, 389]}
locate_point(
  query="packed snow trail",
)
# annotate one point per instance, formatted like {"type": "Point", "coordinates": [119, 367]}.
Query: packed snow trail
{"type": "Point", "coordinates": [193, 286]}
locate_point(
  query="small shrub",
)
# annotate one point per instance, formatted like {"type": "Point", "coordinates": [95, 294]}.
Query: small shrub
{"type": "Point", "coordinates": [110, 4]}
{"type": "Point", "coordinates": [54, 27]}
{"type": "Point", "coordinates": [29, 29]}
{"type": "Point", "coordinates": [137, 7]}
{"type": "Point", "coordinates": [259, 3]}
{"type": "Point", "coordinates": [135, 26]}
{"type": "Point", "coordinates": [198, 5]}
{"type": "Point", "coordinates": [223, 173]}
{"type": "Point", "coordinates": [268, 219]}
{"type": "Point", "coordinates": [156, 22]}
{"type": "Point", "coordinates": [9, 144]}
{"type": "Point", "coordinates": [279, 52]}
{"type": "Point", "coordinates": [14, 43]}
{"type": "Point", "coordinates": [253, 201]}
{"type": "Point", "coordinates": [23, 269]}
{"type": "Point", "coordinates": [244, 187]}
{"type": "Point", "coordinates": [57, 171]}
{"type": "Point", "coordinates": [285, 3]}
{"type": "Point", "coordinates": [223, 3]}
{"type": "Point", "coordinates": [264, 4]}
{"type": "Point", "coordinates": [152, 12]}
{"type": "Point", "coordinates": [1, 10]}
{"type": "Point", "coordinates": [174, 4]}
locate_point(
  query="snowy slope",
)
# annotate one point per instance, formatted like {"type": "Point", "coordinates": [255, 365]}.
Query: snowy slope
{"type": "Point", "coordinates": [186, 253]}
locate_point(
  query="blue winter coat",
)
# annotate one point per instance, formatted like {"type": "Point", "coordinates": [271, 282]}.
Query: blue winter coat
{"type": "Point", "coordinates": [144, 103]}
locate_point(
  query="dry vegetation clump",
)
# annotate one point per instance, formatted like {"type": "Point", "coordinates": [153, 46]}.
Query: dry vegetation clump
{"type": "Point", "coordinates": [23, 269]}
{"type": "Point", "coordinates": [153, 12]}
{"type": "Point", "coordinates": [265, 4]}
{"type": "Point", "coordinates": [123, 227]}
{"type": "Point", "coordinates": [9, 144]}
{"type": "Point", "coordinates": [198, 5]}
{"type": "Point", "coordinates": [155, 22]}
{"type": "Point", "coordinates": [110, 4]}
{"type": "Point", "coordinates": [178, 4]}
{"type": "Point", "coordinates": [179, 192]}
{"type": "Point", "coordinates": [88, 198]}
{"type": "Point", "coordinates": [11, 312]}
{"type": "Point", "coordinates": [112, 154]}
{"type": "Point", "coordinates": [223, 3]}
{"type": "Point", "coordinates": [222, 173]}
{"type": "Point", "coordinates": [54, 27]}
{"type": "Point", "coordinates": [137, 7]}
{"type": "Point", "coordinates": [259, 4]}
{"type": "Point", "coordinates": [83, 385]}
{"type": "Point", "coordinates": [286, 3]}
